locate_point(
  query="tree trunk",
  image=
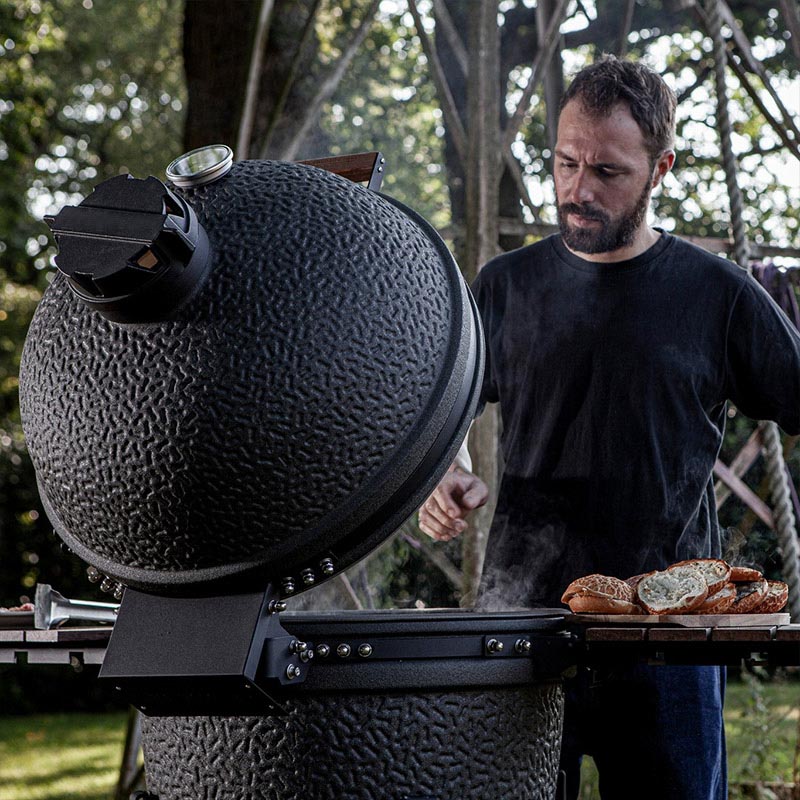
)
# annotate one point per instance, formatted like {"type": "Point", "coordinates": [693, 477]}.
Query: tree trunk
{"type": "Point", "coordinates": [483, 170]}
{"type": "Point", "coordinates": [553, 72]}
{"type": "Point", "coordinates": [217, 39]}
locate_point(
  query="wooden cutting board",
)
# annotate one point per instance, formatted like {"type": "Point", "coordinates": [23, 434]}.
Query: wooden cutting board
{"type": "Point", "coordinates": [686, 620]}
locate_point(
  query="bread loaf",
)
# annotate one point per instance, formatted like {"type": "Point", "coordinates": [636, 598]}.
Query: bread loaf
{"type": "Point", "coordinates": [599, 586]}
{"type": "Point", "coordinates": [745, 574]}
{"type": "Point", "coordinates": [695, 586]}
{"type": "Point", "coordinates": [586, 604]}
{"type": "Point", "coordinates": [600, 594]}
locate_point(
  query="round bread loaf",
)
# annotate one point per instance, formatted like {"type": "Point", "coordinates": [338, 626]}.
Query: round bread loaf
{"type": "Point", "coordinates": [677, 590]}
{"type": "Point", "coordinates": [599, 586]}
{"type": "Point", "coordinates": [745, 574]}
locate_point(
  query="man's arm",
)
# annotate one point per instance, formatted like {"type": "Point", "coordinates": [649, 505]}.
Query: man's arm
{"type": "Point", "coordinates": [442, 516]}
{"type": "Point", "coordinates": [763, 359]}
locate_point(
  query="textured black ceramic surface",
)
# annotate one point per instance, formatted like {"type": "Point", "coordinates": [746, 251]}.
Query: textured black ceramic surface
{"type": "Point", "coordinates": [292, 411]}
{"type": "Point", "coordinates": [466, 745]}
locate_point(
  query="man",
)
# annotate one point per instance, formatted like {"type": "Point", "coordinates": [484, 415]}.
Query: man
{"type": "Point", "coordinates": [612, 349]}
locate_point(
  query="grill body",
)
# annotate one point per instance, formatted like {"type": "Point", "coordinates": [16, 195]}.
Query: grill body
{"type": "Point", "coordinates": [430, 713]}
{"type": "Point", "coordinates": [456, 745]}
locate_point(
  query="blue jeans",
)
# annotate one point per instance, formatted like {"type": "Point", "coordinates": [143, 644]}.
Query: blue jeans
{"type": "Point", "coordinates": [654, 732]}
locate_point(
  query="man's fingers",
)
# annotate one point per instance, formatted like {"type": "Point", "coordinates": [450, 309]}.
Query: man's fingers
{"type": "Point", "coordinates": [442, 515]}
{"type": "Point", "coordinates": [433, 511]}
{"type": "Point", "coordinates": [476, 495]}
{"type": "Point", "coordinates": [436, 529]}
{"type": "Point", "coordinates": [445, 501]}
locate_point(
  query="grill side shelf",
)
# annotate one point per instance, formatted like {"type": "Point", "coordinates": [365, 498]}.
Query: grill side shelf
{"type": "Point", "coordinates": [604, 644]}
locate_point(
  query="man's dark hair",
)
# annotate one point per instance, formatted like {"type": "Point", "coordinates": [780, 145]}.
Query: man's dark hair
{"type": "Point", "coordinates": [600, 86]}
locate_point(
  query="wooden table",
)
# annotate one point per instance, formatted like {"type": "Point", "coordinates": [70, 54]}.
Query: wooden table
{"type": "Point", "coordinates": [695, 639]}
{"type": "Point", "coordinates": [68, 646]}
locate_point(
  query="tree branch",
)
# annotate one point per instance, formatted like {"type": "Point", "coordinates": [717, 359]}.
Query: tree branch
{"type": "Point", "coordinates": [789, 143]}
{"type": "Point", "coordinates": [622, 47]}
{"type": "Point", "coordinates": [754, 65]}
{"type": "Point", "coordinates": [280, 102]}
{"type": "Point", "coordinates": [792, 17]}
{"type": "Point", "coordinates": [543, 56]}
{"type": "Point", "coordinates": [512, 164]}
{"type": "Point", "coordinates": [253, 78]}
{"type": "Point", "coordinates": [443, 19]}
{"type": "Point", "coordinates": [451, 117]}
{"type": "Point", "coordinates": [328, 85]}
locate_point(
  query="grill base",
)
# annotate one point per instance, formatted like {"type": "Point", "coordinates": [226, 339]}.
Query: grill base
{"type": "Point", "coordinates": [465, 745]}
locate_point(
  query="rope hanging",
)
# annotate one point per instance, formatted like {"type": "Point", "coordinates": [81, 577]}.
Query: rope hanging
{"type": "Point", "coordinates": [776, 469]}
{"type": "Point", "coordinates": [783, 515]}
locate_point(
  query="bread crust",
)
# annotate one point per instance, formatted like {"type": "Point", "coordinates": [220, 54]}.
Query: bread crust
{"type": "Point", "coordinates": [715, 571]}
{"type": "Point", "coordinates": [599, 586]}
{"type": "Point", "coordinates": [749, 596]}
{"type": "Point", "coordinates": [719, 602]}
{"type": "Point", "coordinates": [745, 574]}
{"type": "Point", "coordinates": [633, 581]}
{"type": "Point", "coordinates": [672, 591]}
{"type": "Point", "coordinates": [588, 604]}
{"type": "Point", "coordinates": [775, 599]}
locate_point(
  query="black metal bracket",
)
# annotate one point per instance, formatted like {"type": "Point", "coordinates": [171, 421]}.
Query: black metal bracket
{"type": "Point", "coordinates": [222, 655]}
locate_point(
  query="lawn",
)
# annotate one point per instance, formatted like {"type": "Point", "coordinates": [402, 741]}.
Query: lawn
{"type": "Point", "coordinates": [77, 756]}
{"type": "Point", "coordinates": [60, 756]}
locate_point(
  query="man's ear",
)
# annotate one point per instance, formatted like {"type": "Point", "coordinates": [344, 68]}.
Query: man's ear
{"type": "Point", "coordinates": [663, 165]}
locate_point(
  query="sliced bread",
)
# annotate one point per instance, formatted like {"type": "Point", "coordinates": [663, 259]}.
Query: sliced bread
{"type": "Point", "coordinates": [677, 590]}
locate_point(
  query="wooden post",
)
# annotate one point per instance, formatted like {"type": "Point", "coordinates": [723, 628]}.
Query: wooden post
{"type": "Point", "coordinates": [483, 169]}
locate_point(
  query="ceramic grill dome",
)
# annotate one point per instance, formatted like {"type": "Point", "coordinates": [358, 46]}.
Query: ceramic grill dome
{"type": "Point", "coordinates": [272, 420]}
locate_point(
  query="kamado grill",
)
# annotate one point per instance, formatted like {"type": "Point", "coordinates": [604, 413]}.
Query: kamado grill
{"type": "Point", "coordinates": [237, 385]}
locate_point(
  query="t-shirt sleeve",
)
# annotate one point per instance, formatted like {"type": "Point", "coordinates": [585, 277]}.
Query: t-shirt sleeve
{"type": "Point", "coordinates": [482, 291]}
{"type": "Point", "coordinates": [763, 359]}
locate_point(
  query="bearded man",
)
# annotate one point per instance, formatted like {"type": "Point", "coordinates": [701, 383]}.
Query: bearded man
{"type": "Point", "coordinates": [613, 349]}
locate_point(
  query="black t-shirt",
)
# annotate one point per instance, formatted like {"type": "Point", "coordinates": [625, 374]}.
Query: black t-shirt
{"type": "Point", "coordinates": [612, 381]}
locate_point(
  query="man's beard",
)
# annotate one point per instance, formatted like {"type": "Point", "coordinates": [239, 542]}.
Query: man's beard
{"type": "Point", "coordinates": [611, 235]}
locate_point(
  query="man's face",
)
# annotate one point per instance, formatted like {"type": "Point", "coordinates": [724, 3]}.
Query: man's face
{"type": "Point", "coordinates": [603, 178]}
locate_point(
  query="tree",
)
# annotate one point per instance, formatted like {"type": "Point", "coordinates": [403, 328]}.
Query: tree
{"type": "Point", "coordinates": [85, 93]}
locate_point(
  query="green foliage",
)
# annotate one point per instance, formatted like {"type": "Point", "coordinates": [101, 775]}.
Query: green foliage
{"type": "Point", "coordinates": [86, 91]}
{"type": "Point", "coordinates": [61, 756]}
{"type": "Point", "coordinates": [387, 102]}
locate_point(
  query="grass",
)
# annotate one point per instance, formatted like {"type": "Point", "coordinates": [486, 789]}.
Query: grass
{"type": "Point", "coordinates": [60, 756]}
{"type": "Point", "coordinates": [77, 756]}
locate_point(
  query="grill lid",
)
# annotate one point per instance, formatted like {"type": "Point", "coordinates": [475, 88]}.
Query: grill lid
{"type": "Point", "coordinates": [290, 412]}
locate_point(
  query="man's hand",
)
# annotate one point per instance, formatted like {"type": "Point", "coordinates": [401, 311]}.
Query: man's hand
{"type": "Point", "coordinates": [458, 493]}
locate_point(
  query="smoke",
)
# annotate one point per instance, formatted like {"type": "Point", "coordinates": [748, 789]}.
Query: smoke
{"type": "Point", "coordinates": [524, 569]}
{"type": "Point", "coordinates": [739, 551]}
